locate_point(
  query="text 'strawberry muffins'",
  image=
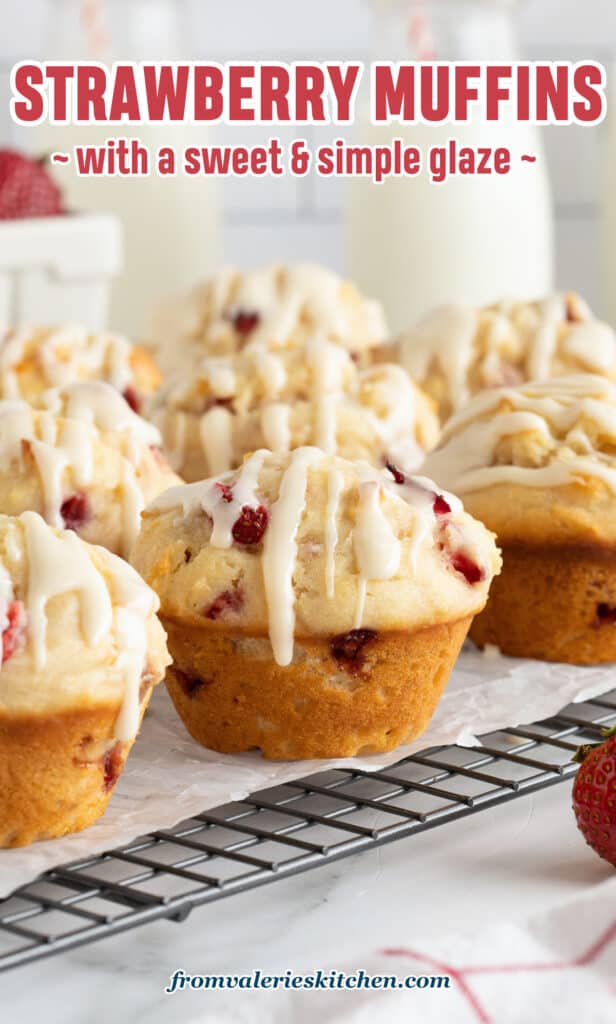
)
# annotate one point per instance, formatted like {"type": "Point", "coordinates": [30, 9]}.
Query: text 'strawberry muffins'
{"type": "Point", "coordinates": [314, 606]}
{"type": "Point", "coordinates": [457, 351]}
{"type": "Point", "coordinates": [278, 306]}
{"type": "Point", "coordinates": [34, 359]}
{"type": "Point", "coordinates": [96, 482]}
{"type": "Point", "coordinates": [311, 395]}
{"type": "Point", "coordinates": [81, 651]}
{"type": "Point", "coordinates": [537, 464]}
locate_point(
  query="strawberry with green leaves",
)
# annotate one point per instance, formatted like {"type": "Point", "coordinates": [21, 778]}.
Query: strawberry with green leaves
{"type": "Point", "coordinates": [594, 796]}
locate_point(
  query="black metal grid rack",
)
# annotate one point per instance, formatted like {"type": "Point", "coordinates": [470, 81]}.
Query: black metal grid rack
{"type": "Point", "coordinates": [282, 831]}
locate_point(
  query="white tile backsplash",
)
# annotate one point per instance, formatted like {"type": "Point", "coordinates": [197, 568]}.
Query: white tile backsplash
{"type": "Point", "coordinates": [302, 219]}
{"type": "Point", "coordinates": [262, 239]}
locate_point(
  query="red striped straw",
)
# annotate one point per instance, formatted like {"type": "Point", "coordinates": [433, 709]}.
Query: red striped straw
{"type": "Point", "coordinates": [93, 21]}
{"type": "Point", "coordinates": [419, 31]}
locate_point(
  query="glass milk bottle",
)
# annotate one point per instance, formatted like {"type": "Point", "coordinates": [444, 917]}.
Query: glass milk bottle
{"type": "Point", "coordinates": [473, 239]}
{"type": "Point", "coordinates": [171, 224]}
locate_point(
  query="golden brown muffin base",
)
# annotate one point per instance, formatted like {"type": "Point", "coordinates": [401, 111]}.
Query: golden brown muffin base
{"type": "Point", "coordinates": [545, 604]}
{"type": "Point", "coordinates": [57, 772]}
{"type": "Point", "coordinates": [231, 700]}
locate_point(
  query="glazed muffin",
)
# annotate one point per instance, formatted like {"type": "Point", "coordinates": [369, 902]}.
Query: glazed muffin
{"type": "Point", "coordinates": [314, 606]}
{"type": "Point", "coordinates": [537, 464]}
{"type": "Point", "coordinates": [310, 395]}
{"type": "Point", "coordinates": [75, 476]}
{"type": "Point", "coordinates": [101, 406]}
{"type": "Point", "coordinates": [279, 306]}
{"type": "Point", "coordinates": [81, 650]}
{"type": "Point", "coordinates": [33, 359]}
{"type": "Point", "coordinates": [457, 351]}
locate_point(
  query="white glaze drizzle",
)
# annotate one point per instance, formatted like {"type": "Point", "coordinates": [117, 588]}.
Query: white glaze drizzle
{"type": "Point", "coordinates": [375, 542]}
{"type": "Point", "coordinates": [554, 412]}
{"type": "Point", "coordinates": [120, 604]}
{"type": "Point", "coordinates": [220, 376]}
{"type": "Point", "coordinates": [6, 596]}
{"type": "Point", "coordinates": [103, 407]}
{"type": "Point", "coordinates": [444, 336]}
{"type": "Point", "coordinates": [592, 344]}
{"type": "Point", "coordinates": [551, 313]}
{"type": "Point", "coordinates": [51, 463]}
{"type": "Point", "coordinates": [60, 564]}
{"type": "Point", "coordinates": [328, 364]}
{"type": "Point", "coordinates": [59, 446]}
{"type": "Point", "coordinates": [383, 396]}
{"type": "Point", "coordinates": [216, 433]}
{"type": "Point", "coordinates": [64, 354]}
{"type": "Point", "coordinates": [132, 507]}
{"type": "Point", "coordinates": [12, 540]}
{"type": "Point", "coordinates": [284, 297]}
{"type": "Point", "coordinates": [275, 426]}
{"type": "Point", "coordinates": [135, 603]}
{"type": "Point", "coordinates": [448, 336]}
{"type": "Point", "coordinates": [335, 487]}
{"type": "Point", "coordinates": [270, 369]}
{"type": "Point", "coordinates": [280, 551]}
{"type": "Point", "coordinates": [175, 445]}
{"type": "Point", "coordinates": [207, 496]}
{"type": "Point", "coordinates": [376, 546]}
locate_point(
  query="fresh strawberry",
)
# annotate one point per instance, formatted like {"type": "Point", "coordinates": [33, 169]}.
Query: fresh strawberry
{"type": "Point", "coordinates": [75, 511]}
{"type": "Point", "coordinates": [440, 506]}
{"type": "Point", "coordinates": [113, 762]}
{"type": "Point", "coordinates": [226, 492]}
{"type": "Point", "coordinates": [26, 189]}
{"type": "Point", "coordinates": [250, 525]}
{"type": "Point", "coordinates": [397, 474]}
{"type": "Point", "coordinates": [594, 796]}
{"type": "Point", "coordinates": [245, 322]}
{"type": "Point", "coordinates": [14, 634]}
{"type": "Point", "coordinates": [132, 398]}
{"type": "Point", "coordinates": [228, 601]}
{"type": "Point", "coordinates": [348, 648]}
{"type": "Point", "coordinates": [472, 572]}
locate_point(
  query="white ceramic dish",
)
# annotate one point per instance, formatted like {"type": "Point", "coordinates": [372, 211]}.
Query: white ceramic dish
{"type": "Point", "coordinates": [54, 269]}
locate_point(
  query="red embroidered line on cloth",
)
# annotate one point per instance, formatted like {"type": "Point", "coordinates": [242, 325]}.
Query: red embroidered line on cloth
{"type": "Point", "coordinates": [459, 973]}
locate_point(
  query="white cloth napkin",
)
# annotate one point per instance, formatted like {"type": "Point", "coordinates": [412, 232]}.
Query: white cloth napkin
{"type": "Point", "coordinates": [558, 967]}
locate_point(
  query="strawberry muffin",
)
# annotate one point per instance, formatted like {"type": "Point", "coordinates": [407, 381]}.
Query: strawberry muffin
{"type": "Point", "coordinates": [314, 606]}
{"type": "Point", "coordinates": [33, 359]}
{"type": "Point", "coordinates": [101, 406]}
{"type": "Point", "coordinates": [212, 416]}
{"type": "Point", "coordinates": [457, 351]}
{"type": "Point", "coordinates": [279, 306]}
{"type": "Point", "coordinates": [81, 650]}
{"type": "Point", "coordinates": [537, 464]}
{"type": "Point", "coordinates": [75, 476]}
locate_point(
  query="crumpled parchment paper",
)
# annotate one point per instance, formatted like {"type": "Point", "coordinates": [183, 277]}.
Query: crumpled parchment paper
{"type": "Point", "coordinates": [170, 777]}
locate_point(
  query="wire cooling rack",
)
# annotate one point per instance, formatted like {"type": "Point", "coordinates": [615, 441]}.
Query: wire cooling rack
{"type": "Point", "coordinates": [285, 830]}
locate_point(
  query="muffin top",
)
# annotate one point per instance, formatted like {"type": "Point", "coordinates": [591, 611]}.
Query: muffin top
{"type": "Point", "coordinates": [101, 406]}
{"type": "Point", "coordinates": [79, 627]}
{"type": "Point", "coordinates": [73, 475]}
{"type": "Point", "coordinates": [457, 351]}
{"type": "Point", "coordinates": [276, 305]}
{"type": "Point", "coordinates": [33, 359]}
{"type": "Point", "coordinates": [309, 544]}
{"type": "Point", "coordinates": [536, 462]}
{"type": "Point", "coordinates": [313, 394]}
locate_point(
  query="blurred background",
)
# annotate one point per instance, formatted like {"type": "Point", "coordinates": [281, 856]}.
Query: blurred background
{"type": "Point", "coordinates": [249, 221]}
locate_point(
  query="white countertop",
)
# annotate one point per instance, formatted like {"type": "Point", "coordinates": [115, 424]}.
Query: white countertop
{"type": "Point", "coordinates": [500, 864]}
